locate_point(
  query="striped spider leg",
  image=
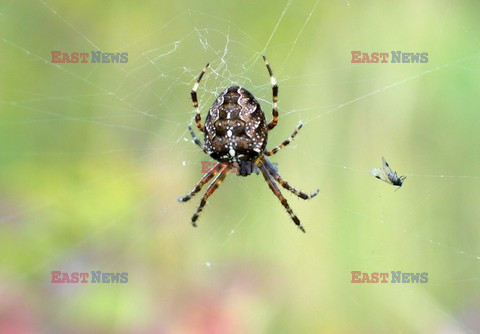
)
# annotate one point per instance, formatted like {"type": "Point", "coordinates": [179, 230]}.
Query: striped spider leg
{"type": "Point", "coordinates": [271, 175]}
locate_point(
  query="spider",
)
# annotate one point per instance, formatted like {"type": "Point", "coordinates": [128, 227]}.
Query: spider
{"type": "Point", "coordinates": [236, 132]}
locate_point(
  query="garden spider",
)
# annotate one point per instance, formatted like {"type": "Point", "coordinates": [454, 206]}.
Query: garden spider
{"type": "Point", "coordinates": [236, 132]}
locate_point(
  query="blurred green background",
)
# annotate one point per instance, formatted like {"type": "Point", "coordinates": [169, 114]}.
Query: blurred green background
{"type": "Point", "coordinates": [93, 157]}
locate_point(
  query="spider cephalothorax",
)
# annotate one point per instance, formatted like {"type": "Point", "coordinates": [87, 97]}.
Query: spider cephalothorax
{"type": "Point", "coordinates": [236, 132]}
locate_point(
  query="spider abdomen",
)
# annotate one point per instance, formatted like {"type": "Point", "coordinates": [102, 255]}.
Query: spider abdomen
{"type": "Point", "coordinates": [235, 127]}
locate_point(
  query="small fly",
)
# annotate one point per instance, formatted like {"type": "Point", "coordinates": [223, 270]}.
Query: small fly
{"type": "Point", "coordinates": [387, 175]}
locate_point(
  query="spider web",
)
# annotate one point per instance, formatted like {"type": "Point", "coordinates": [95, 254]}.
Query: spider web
{"type": "Point", "coordinates": [96, 154]}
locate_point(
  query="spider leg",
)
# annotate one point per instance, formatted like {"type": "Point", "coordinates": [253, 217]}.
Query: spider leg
{"type": "Point", "coordinates": [274, 121]}
{"type": "Point", "coordinates": [197, 141]}
{"type": "Point", "coordinates": [210, 190]}
{"type": "Point", "coordinates": [198, 118]}
{"type": "Point", "coordinates": [274, 173]}
{"type": "Point", "coordinates": [285, 142]}
{"type": "Point", "coordinates": [204, 180]}
{"type": "Point", "coordinates": [195, 138]}
{"type": "Point", "coordinates": [274, 188]}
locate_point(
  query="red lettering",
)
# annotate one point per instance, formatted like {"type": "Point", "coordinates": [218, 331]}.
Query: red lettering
{"type": "Point", "coordinates": [237, 168]}
{"type": "Point", "coordinates": [206, 165]}
{"type": "Point", "coordinates": [75, 57]}
{"type": "Point", "coordinates": [84, 57]}
{"type": "Point", "coordinates": [365, 278]}
{"type": "Point", "coordinates": [56, 277]}
{"type": "Point", "coordinates": [355, 278]}
{"type": "Point", "coordinates": [65, 278]}
{"type": "Point", "coordinates": [56, 56]}
{"type": "Point", "coordinates": [365, 58]}
{"type": "Point", "coordinates": [65, 58]}
{"type": "Point", "coordinates": [84, 277]}
{"type": "Point", "coordinates": [384, 56]}
{"type": "Point", "coordinates": [355, 56]}
{"type": "Point", "coordinates": [384, 277]}
{"type": "Point", "coordinates": [232, 168]}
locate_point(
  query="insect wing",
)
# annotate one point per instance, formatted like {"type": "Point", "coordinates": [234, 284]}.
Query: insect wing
{"type": "Point", "coordinates": [380, 174]}
{"type": "Point", "coordinates": [386, 167]}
